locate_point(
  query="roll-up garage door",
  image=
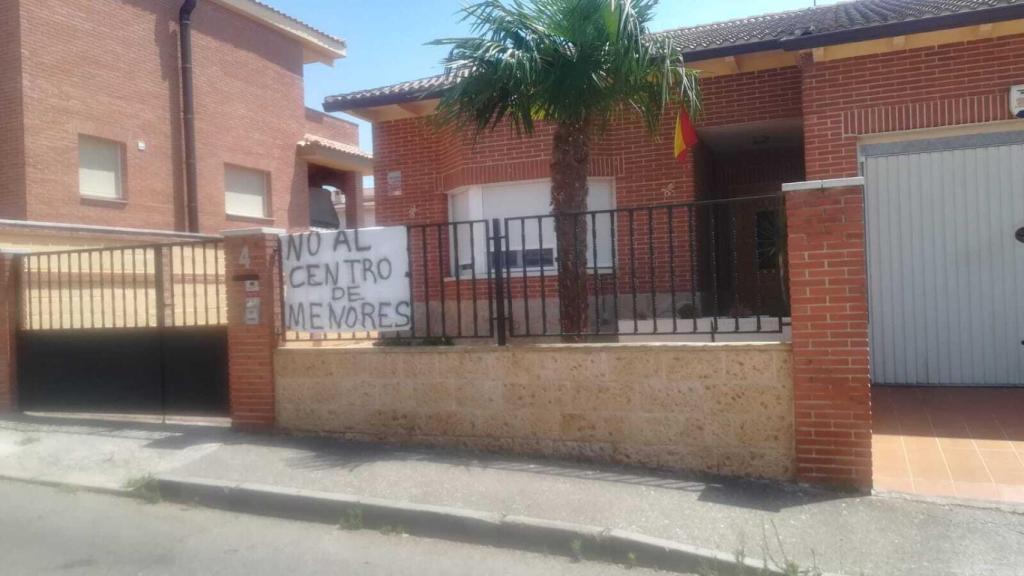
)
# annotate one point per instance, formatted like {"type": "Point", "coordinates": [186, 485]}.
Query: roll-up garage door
{"type": "Point", "coordinates": [945, 242]}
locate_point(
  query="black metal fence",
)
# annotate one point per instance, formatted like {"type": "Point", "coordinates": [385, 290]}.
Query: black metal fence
{"type": "Point", "coordinates": [147, 286]}
{"type": "Point", "coordinates": [709, 268]}
{"type": "Point", "coordinates": [135, 329]}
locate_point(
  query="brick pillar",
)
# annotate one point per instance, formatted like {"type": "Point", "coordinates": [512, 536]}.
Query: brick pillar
{"type": "Point", "coordinates": [828, 287]}
{"type": "Point", "coordinates": [8, 330]}
{"type": "Point", "coordinates": [251, 255]}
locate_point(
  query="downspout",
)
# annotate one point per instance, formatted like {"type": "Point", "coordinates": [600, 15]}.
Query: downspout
{"type": "Point", "coordinates": [188, 110]}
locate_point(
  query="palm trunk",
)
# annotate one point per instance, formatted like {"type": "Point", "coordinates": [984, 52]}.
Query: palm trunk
{"type": "Point", "coordinates": [570, 160]}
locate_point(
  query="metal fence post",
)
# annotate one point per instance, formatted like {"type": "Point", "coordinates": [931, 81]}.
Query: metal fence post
{"type": "Point", "coordinates": [499, 282]}
{"type": "Point", "coordinates": [161, 320]}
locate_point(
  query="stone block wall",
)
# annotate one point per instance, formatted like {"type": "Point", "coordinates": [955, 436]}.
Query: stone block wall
{"type": "Point", "coordinates": [715, 408]}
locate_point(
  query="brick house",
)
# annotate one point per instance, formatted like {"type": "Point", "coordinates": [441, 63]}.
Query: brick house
{"type": "Point", "coordinates": [920, 98]}
{"type": "Point", "coordinates": [805, 95]}
{"type": "Point", "coordinates": [91, 97]}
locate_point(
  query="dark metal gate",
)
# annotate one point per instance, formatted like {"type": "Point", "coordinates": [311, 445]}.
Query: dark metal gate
{"type": "Point", "coordinates": [139, 329]}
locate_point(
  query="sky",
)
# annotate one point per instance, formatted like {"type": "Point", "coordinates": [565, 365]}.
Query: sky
{"type": "Point", "coordinates": [386, 38]}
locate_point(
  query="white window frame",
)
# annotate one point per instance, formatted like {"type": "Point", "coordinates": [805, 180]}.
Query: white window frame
{"type": "Point", "coordinates": [265, 215]}
{"type": "Point", "coordinates": [475, 197]}
{"type": "Point", "coordinates": [118, 168]}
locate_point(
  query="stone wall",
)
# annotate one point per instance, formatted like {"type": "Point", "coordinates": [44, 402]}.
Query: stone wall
{"type": "Point", "coordinates": [715, 408]}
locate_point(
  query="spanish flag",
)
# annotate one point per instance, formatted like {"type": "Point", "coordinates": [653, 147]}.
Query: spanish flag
{"type": "Point", "coordinates": [686, 135]}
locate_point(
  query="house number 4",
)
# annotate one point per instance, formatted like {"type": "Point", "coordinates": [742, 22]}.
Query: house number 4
{"type": "Point", "coordinates": [243, 259]}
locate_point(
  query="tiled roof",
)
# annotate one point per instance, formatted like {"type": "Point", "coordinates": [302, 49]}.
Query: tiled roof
{"type": "Point", "coordinates": [297, 21]}
{"type": "Point", "coordinates": [818, 26]}
{"type": "Point", "coordinates": [844, 16]}
{"type": "Point", "coordinates": [404, 91]}
{"type": "Point", "coordinates": [316, 141]}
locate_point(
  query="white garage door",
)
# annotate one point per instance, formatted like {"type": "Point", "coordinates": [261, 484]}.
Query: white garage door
{"type": "Point", "coordinates": [945, 266]}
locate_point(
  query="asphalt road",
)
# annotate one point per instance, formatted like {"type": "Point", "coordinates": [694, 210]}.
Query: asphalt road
{"type": "Point", "coordinates": [54, 531]}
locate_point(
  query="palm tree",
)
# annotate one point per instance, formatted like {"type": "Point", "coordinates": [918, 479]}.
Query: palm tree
{"type": "Point", "coordinates": [573, 64]}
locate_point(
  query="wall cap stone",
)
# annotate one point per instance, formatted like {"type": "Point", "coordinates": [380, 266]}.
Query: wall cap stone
{"type": "Point", "coordinates": [238, 232]}
{"type": "Point", "coordinates": [600, 347]}
{"type": "Point", "coordinates": [823, 184]}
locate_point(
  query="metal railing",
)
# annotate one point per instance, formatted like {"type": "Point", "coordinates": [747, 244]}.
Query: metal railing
{"type": "Point", "coordinates": [705, 268]}
{"type": "Point", "coordinates": [700, 268]}
{"type": "Point", "coordinates": [149, 286]}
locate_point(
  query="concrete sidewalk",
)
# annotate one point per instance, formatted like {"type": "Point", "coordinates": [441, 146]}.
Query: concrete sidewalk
{"type": "Point", "coordinates": [839, 533]}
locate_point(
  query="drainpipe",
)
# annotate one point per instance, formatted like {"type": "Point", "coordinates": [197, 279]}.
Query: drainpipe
{"type": "Point", "coordinates": [188, 110]}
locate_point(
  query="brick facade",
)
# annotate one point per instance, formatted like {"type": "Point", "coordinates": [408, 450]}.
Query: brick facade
{"type": "Point", "coordinates": [949, 85]}
{"type": "Point", "coordinates": [8, 330]}
{"type": "Point", "coordinates": [12, 141]}
{"type": "Point", "coordinates": [252, 255]}
{"type": "Point", "coordinates": [434, 162]}
{"type": "Point", "coordinates": [837, 102]}
{"type": "Point", "coordinates": [828, 298]}
{"type": "Point", "coordinates": [110, 69]}
{"type": "Point", "coordinates": [330, 127]}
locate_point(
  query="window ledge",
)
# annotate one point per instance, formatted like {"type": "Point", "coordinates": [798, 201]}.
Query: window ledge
{"type": "Point", "coordinates": [251, 219]}
{"type": "Point", "coordinates": [103, 201]}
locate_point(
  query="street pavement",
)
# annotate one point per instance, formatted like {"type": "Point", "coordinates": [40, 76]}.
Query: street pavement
{"type": "Point", "coordinates": [45, 530]}
{"type": "Point", "coordinates": [872, 535]}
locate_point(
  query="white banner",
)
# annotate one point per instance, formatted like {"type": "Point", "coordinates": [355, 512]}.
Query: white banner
{"type": "Point", "coordinates": [347, 280]}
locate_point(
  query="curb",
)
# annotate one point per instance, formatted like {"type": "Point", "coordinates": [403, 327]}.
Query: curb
{"type": "Point", "coordinates": [576, 541]}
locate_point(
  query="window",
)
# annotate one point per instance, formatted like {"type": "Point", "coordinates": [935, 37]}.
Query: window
{"type": "Point", "coordinates": [767, 230]}
{"type": "Point", "coordinates": [531, 231]}
{"type": "Point", "coordinates": [245, 192]}
{"type": "Point", "coordinates": [99, 168]}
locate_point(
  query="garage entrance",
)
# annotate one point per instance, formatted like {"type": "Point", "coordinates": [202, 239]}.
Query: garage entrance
{"type": "Point", "coordinates": [945, 242]}
{"type": "Point", "coordinates": [138, 329]}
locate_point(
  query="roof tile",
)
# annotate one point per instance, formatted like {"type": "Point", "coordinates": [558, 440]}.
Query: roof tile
{"type": "Point", "coordinates": [743, 34]}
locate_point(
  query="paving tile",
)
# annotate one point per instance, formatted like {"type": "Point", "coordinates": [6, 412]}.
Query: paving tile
{"type": "Point", "coordinates": [917, 424]}
{"type": "Point", "coordinates": [956, 443]}
{"type": "Point", "coordinates": [949, 427]}
{"type": "Point", "coordinates": [977, 490]}
{"type": "Point", "coordinates": [1011, 493]}
{"type": "Point", "coordinates": [966, 466]}
{"type": "Point", "coordinates": [886, 484]}
{"type": "Point", "coordinates": [1005, 467]}
{"type": "Point", "coordinates": [891, 462]}
{"type": "Point", "coordinates": [993, 444]}
{"type": "Point", "coordinates": [934, 488]}
{"type": "Point", "coordinates": [928, 465]}
{"type": "Point", "coordinates": [882, 441]}
{"type": "Point", "coordinates": [920, 443]}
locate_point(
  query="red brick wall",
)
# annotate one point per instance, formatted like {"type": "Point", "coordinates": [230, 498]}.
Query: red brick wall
{"type": "Point", "coordinates": [946, 85]}
{"type": "Point", "coordinates": [327, 126]}
{"type": "Point", "coordinates": [12, 159]}
{"type": "Point", "coordinates": [828, 296]}
{"type": "Point", "coordinates": [251, 346]}
{"type": "Point", "coordinates": [752, 97]}
{"type": "Point", "coordinates": [8, 331]}
{"type": "Point", "coordinates": [114, 74]}
{"type": "Point", "coordinates": [435, 161]}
